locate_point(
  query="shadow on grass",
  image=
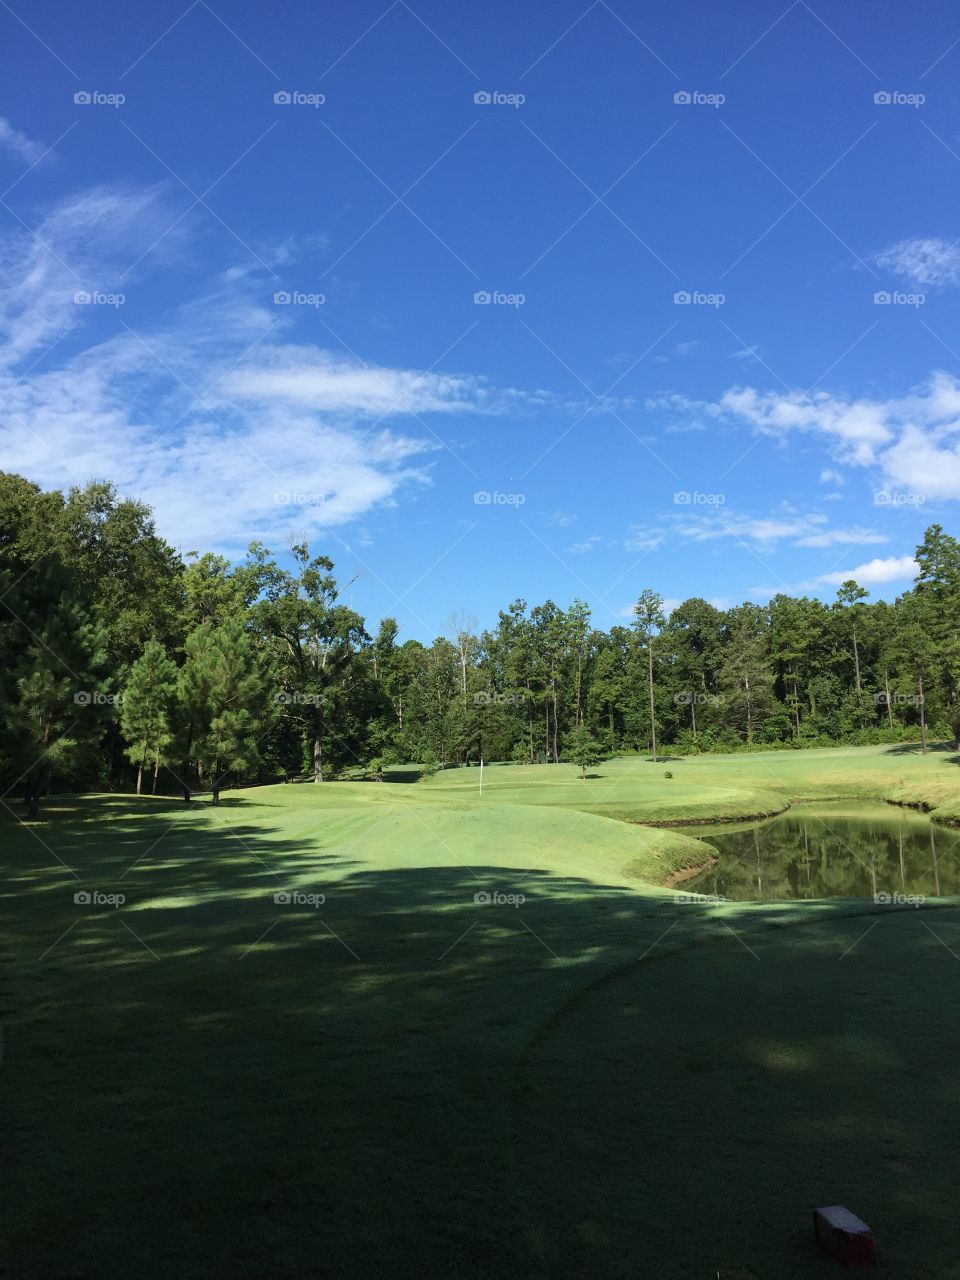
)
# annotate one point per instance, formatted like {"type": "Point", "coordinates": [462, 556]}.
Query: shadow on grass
{"type": "Point", "coordinates": [404, 1080]}
{"type": "Point", "coordinates": [915, 749]}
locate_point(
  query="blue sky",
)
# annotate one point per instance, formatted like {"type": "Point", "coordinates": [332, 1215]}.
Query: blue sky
{"type": "Point", "coordinates": [242, 249]}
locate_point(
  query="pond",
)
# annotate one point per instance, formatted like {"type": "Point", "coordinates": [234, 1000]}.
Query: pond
{"type": "Point", "coordinates": [841, 850]}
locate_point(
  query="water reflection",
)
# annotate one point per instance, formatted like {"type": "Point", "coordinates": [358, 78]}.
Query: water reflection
{"type": "Point", "coordinates": [833, 851]}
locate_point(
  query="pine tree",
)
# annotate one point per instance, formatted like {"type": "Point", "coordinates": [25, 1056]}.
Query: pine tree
{"type": "Point", "coordinates": [224, 698]}
{"type": "Point", "coordinates": [147, 708]}
{"type": "Point", "coordinates": [648, 619]}
{"type": "Point", "coordinates": [916, 651]}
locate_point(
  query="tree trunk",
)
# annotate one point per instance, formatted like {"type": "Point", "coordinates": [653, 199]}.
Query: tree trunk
{"type": "Point", "coordinates": [653, 718]}
{"type": "Point", "coordinates": [693, 715]}
{"type": "Point", "coordinates": [856, 666]}
{"type": "Point", "coordinates": [317, 759]}
{"type": "Point", "coordinates": [556, 752]}
{"type": "Point", "coordinates": [140, 770]}
{"type": "Point", "coordinates": [31, 798]}
{"type": "Point", "coordinates": [156, 770]}
{"type": "Point", "coordinates": [923, 719]}
{"type": "Point", "coordinates": [746, 692]}
{"type": "Point", "coordinates": [886, 687]}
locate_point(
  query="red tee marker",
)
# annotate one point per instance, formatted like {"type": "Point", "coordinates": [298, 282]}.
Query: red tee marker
{"type": "Point", "coordinates": [840, 1234]}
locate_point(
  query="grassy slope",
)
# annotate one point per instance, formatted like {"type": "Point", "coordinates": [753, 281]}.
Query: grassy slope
{"type": "Point", "coordinates": [404, 1082]}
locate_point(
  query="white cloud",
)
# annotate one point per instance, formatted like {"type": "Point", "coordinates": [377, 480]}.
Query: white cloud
{"type": "Point", "coordinates": [875, 573]}
{"type": "Point", "coordinates": [226, 443]}
{"type": "Point", "coordinates": [829, 476]}
{"type": "Point", "coordinates": [323, 382]}
{"type": "Point", "coordinates": [83, 245]}
{"type": "Point", "coordinates": [856, 537]}
{"type": "Point", "coordinates": [911, 442]}
{"type": "Point", "coordinates": [18, 144]}
{"type": "Point", "coordinates": [799, 529]}
{"type": "Point", "coordinates": [588, 545]}
{"type": "Point", "coordinates": [923, 261]}
{"type": "Point", "coordinates": [922, 462]}
{"type": "Point", "coordinates": [858, 429]}
{"type": "Point", "coordinates": [641, 539]}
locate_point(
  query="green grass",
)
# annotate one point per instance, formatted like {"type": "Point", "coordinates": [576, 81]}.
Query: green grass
{"type": "Point", "coordinates": [405, 1082]}
{"type": "Point", "coordinates": [718, 786]}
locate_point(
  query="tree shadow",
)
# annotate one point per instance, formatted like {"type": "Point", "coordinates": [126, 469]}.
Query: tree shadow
{"type": "Point", "coordinates": [915, 749]}
{"type": "Point", "coordinates": [406, 1079]}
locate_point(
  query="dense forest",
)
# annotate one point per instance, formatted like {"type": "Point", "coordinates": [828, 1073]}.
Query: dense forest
{"type": "Point", "coordinates": [125, 665]}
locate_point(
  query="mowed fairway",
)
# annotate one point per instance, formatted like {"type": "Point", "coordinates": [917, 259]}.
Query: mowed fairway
{"type": "Point", "coordinates": [405, 1081]}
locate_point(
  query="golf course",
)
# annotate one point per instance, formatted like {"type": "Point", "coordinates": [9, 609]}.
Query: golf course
{"type": "Point", "coordinates": [415, 1029]}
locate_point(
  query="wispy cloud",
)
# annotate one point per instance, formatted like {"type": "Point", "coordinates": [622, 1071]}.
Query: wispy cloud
{"type": "Point", "coordinates": [929, 261]}
{"type": "Point", "coordinates": [586, 546]}
{"type": "Point", "coordinates": [798, 529]}
{"type": "Point", "coordinates": [228, 431]}
{"type": "Point", "coordinates": [326, 383]}
{"type": "Point", "coordinates": [18, 144]}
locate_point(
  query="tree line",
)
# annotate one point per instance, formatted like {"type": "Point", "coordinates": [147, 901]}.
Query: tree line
{"type": "Point", "coordinates": [124, 664]}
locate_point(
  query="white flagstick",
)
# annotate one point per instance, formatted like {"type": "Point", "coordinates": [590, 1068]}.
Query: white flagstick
{"type": "Point", "coordinates": [481, 775]}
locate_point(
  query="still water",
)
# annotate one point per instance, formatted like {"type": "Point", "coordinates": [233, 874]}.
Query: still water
{"type": "Point", "coordinates": [844, 850]}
